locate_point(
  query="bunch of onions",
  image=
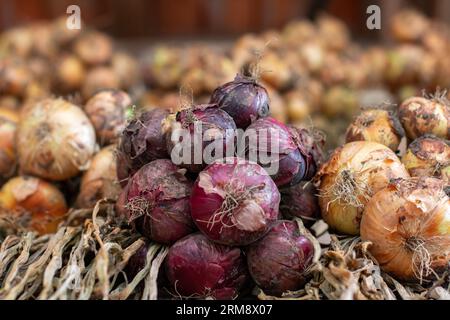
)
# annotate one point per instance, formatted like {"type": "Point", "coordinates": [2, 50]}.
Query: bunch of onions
{"type": "Point", "coordinates": [55, 140]}
{"type": "Point", "coordinates": [234, 202]}
{"type": "Point", "coordinates": [94, 48]}
{"type": "Point", "coordinates": [428, 156]}
{"type": "Point", "coordinates": [100, 180]}
{"type": "Point", "coordinates": [278, 261]}
{"type": "Point", "coordinates": [156, 202]}
{"type": "Point", "coordinates": [142, 141]}
{"type": "Point", "coordinates": [41, 200]}
{"type": "Point", "coordinates": [295, 152]}
{"type": "Point", "coordinates": [376, 125]}
{"type": "Point", "coordinates": [420, 116]}
{"type": "Point", "coordinates": [213, 126]}
{"type": "Point", "coordinates": [300, 201]}
{"type": "Point", "coordinates": [197, 267]}
{"type": "Point", "coordinates": [106, 110]}
{"type": "Point", "coordinates": [408, 225]}
{"type": "Point", "coordinates": [243, 99]}
{"type": "Point", "coordinates": [8, 158]}
{"type": "Point", "coordinates": [347, 181]}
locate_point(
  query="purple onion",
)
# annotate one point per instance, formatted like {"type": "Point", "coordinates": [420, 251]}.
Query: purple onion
{"type": "Point", "coordinates": [300, 201]}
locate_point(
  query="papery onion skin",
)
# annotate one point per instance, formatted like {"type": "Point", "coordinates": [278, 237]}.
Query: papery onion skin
{"type": "Point", "coordinates": [240, 221]}
{"type": "Point", "coordinates": [409, 216]}
{"type": "Point", "coordinates": [100, 180]}
{"type": "Point", "coordinates": [107, 112]}
{"type": "Point", "coordinates": [420, 116]}
{"type": "Point", "coordinates": [219, 124]}
{"type": "Point", "coordinates": [376, 125]}
{"type": "Point", "coordinates": [157, 202]}
{"type": "Point", "coordinates": [350, 177]}
{"type": "Point", "coordinates": [55, 140]}
{"type": "Point", "coordinates": [428, 156]}
{"type": "Point", "coordinates": [243, 99]}
{"type": "Point", "coordinates": [42, 200]}
{"type": "Point", "coordinates": [277, 262]}
{"type": "Point", "coordinates": [300, 201]}
{"type": "Point", "coordinates": [8, 157]}
{"type": "Point", "coordinates": [143, 140]}
{"type": "Point", "coordinates": [195, 266]}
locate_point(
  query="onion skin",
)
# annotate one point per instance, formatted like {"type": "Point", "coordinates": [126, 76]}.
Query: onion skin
{"type": "Point", "coordinates": [428, 156]}
{"type": "Point", "coordinates": [55, 140]}
{"type": "Point", "coordinates": [195, 266]}
{"type": "Point", "coordinates": [94, 48]}
{"type": "Point", "coordinates": [247, 219]}
{"type": "Point", "coordinates": [365, 168]}
{"type": "Point", "coordinates": [243, 99]}
{"type": "Point", "coordinates": [100, 180]}
{"type": "Point", "coordinates": [43, 201]}
{"type": "Point", "coordinates": [143, 140]}
{"type": "Point", "coordinates": [157, 202]}
{"type": "Point", "coordinates": [420, 116]}
{"type": "Point", "coordinates": [300, 201]}
{"type": "Point", "coordinates": [409, 216]}
{"type": "Point", "coordinates": [212, 119]}
{"type": "Point", "coordinates": [8, 157]}
{"type": "Point", "coordinates": [106, 110]}
{"type": "Point", "coordinates": [277, 261]}
{"type": "Point", "coordinates": [376, 125]}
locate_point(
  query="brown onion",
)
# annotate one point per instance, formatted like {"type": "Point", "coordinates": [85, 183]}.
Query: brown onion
{"type": "Point", "coordinates": [409, 25]}
{"type": "Point", "coordinates": [8, 158]}
{"type": "Point", "coordinates": [45, 203]}
{"type": "Point", "coordinates": [428, 156]}
{"type": "Point", "coordinates": [55, 140]}
{"type": "Point", "coordinates": [376, 125]}
{"type": "Point", "coordinates": [107, 112]}
{"type": "Point", "coordinates": [69, 73]}
{"type": "Point", "coordinates": [14, 77]}
{"type": "Point", "coordinates": [353, 174]}
{"type": "Point", "coordinates": [100, 180]}
{"type": "Point", "coordinates": [340, 101]}
{"type": "Point", "coordinates": [99, 78]}
{"type": "Point", "coordinates": [94, 48]}
{"type": "Point", "coordinates": [126, 68]}
{"type": "Point", "coordinates": [421, 115]}
{"type": "Point", "coordinates": [408, 225]}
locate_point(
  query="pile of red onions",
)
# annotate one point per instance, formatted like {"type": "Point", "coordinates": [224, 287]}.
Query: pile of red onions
{"type": "Point", "coordinates": [156, 202]}
{"type": "Point", "coordinates": [197, 267]}
{"type": "Point", "coordinates": [142, 141]}
{"type": "Point", "coordinates": [294, 152]}
{"type": "Point", "coordinates": [243, 99]}
{"type": "Point", "coordinates": [194, 130]}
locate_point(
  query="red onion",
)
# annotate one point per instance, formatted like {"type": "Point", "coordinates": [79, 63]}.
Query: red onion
{"type": "Point", "coordinates": [202, 126]}
{"type": "Point", "coordinates": [243, 99]}
{"type": "Point", "coordinates": [292, 154]}
{"type": "Point", "coordinates": [157, 202]}
{"type": "Point", "coordinates": [141, 142]}
{"type": "Point", "coordinates": [278, 261]}
{"type": "Point", "coordinates": [300, 201]}
{"type": "Point", "coordinates": [195, 266]}
{"type": "Point", "coordinates": [234, 202]}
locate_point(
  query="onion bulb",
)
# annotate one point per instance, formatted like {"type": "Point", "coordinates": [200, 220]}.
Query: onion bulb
{"type": "Point", "coordinates": [8, 128]}
{"type": "Point", "coordinates": [126, 68]}
{"type": "Point", "coordinates": [106, 110]}
{"type": "Point", "coordinates": [408, 224]}
{"type": "Point", "coordinates": [94, 48]}
{"type": "Point", "coordinates": [353, 174]}
{"type": "Point", "coordinates": [300, 201]}
{"type": "Point", "coordinates": [428, 156]}
{"type": "Point", "coordinates": [29, 195]}
{"type": "Point", "coordinates": [69, 73]}
{"type": "Point", "coordinates": [99, 78]}
{"type": "Point", "coordinates": [376, 125]}
{"type": "Point", "coordinates": [234, 202]}
{"type": "Point", "coordinates": [55, 140]}
{"type": "Point", "coordinates": [409, 26]}
{"type": "Point", "coordinates": [100, 180]}
{"type": "Point", "coordinates": [421, 115]}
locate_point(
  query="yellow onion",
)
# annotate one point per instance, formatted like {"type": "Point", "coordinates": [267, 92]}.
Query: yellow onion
{"type": "Point", "coordinates": [298, 105]}
{"type": "Point", "coordinates": [8, 158]}
{"type": "Point", "coordinates": [14, 77]}
{"type": "Point", "coordinates": [277, 108]}
{"type": "Point", "coordinates": [100, 180]}
{"type": "Point", "coordinates": [94, 48]}
{"type": "Point", "coordinates": [126, 68]}
{"type": "Point", "coordinates": [409, 25]}
{"type": "Point", "coordinates": [17, 41]}
{"type": "Point", "coordinates": [333, 32]}
{"type": "Point", "coordinates": [275, 71]}
{"type": "Point", "coordinates": [340, 101]}
{"type": "Point", "coordinates": [62, 34]}
{"type": "Point", "coordinates": [69, 73]}
{"type": "Point", "coordinates": [376, 125]}
{"type": "Point", "coordinates": [420, 115]}
{"type": "Point", "coordinates": [42, 200]}
{"type": "Point", "coordinates": [106, 110]}
{"type": "Point", "coordinates": [428, 156]}
{"type": "Point", "coordinates": [354, 173]}
{"type": "Point", "coordinates": [55, 140]}
{"type": "Point", "coordinates": [99, 78]}
{"type": "Point", "coordinates": [408, 223]}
